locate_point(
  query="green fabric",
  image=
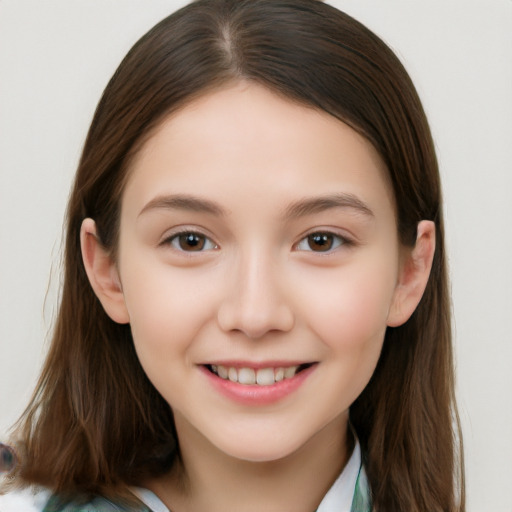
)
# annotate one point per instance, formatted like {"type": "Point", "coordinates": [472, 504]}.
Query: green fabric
{"type": "Point", "coordinates": [362, 496]}
{"type": "Point", "coordinates": [98, 504]}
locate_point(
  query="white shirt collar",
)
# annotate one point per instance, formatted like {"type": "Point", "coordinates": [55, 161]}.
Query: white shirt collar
{"type": "Point", "coordinates": [339, 497]}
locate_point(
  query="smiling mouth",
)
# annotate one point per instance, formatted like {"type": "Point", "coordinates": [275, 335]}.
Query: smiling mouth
{"type": "Point", "coordinates": [256, 376]}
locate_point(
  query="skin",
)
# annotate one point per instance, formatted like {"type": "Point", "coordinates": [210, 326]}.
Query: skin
{"type": "Point", "coordinates": [259, 291]}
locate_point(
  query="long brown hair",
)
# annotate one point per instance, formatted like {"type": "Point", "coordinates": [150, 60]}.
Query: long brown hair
{"type": "Point", "coordinates": [96, 424]}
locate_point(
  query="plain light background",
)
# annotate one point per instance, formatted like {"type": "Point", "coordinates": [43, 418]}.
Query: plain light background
{"type": "Point", "coordinates": [56, 56]}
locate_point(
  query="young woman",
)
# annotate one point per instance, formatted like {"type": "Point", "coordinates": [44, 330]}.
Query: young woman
{"type": "Point", "coordinates": [254, 313]}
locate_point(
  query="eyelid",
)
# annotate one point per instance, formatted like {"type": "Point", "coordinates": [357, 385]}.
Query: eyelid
{"type": "Point", "coordinates": [344, 241]}
{"type": "Point", "coordinates": [170, 236]}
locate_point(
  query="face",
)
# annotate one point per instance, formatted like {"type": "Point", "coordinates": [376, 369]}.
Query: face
{"type": "Point", "coordinates": [258, 261]}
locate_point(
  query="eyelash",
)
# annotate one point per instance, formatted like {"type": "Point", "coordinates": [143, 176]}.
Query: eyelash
{"type": "Point", "coordinates": [336, 241]}
{"type": "Point", "coordinates": [174, 240]}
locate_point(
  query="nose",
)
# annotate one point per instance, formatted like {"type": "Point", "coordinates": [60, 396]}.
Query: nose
{"type": "Point", "coordinates": [255, 301]}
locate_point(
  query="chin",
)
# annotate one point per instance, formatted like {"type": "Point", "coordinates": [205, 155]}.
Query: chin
{"type": "Point", "coordinates": [260, 450]}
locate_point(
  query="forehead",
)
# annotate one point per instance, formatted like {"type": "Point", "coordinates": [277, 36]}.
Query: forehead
{"type": "Point", "coordinates": [247, 137]}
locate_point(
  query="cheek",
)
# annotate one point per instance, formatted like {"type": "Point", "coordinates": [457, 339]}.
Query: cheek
{"type": "Point", "coordinates": [166, 308]}
{"type": "Point", "coordinates": [350, 321]}
{"type": "Point", "coordinates": [348, 309]}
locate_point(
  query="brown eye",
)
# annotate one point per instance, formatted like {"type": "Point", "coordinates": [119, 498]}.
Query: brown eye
{"type": "Point", "coordinates": [191, 242]}
{"type": "Point", "coordinates": [321, 242]}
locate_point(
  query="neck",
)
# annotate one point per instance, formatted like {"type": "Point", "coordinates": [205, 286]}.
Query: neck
{"type": "Point", "coordinates": [209, 479]}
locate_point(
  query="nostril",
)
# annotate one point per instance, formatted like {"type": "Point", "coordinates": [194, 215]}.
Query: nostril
{"type": "Point", "coordinates": [255, 320]}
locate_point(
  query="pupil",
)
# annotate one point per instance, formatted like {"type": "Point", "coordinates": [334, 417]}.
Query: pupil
{"type": "Point", "coordinates": [191, 242]}
{"type": "Point", "coordinates": [320, 241]}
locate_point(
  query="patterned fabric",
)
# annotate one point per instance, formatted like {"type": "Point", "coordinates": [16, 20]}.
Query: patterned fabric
{"type": "Point", "coordinates": [98, 504]}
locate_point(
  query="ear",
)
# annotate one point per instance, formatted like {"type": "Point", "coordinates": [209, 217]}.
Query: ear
{"type": "Point", "coordinates": [102, 273]}
{"type": "Point", "coordinates": [414, 274]}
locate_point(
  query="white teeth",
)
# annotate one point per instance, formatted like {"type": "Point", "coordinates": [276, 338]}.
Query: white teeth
{"type": "Point", "coordinates": [290, 372]}
{"type": "Point", "coordinates": [265, 376]}
{"type": "Point", "coordinates": [233, 374]}
{"type": "Point", "coordinates": [247, 376]}
{"type": "Point", "coordinates": [250, 376]}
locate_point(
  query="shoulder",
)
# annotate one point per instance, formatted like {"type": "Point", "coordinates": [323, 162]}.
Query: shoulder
{"type": "Point", "coordinates": [42, 500]}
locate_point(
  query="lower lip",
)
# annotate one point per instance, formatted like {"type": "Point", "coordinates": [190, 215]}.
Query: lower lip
{"type": "Point", "coordinates": [255, 394]}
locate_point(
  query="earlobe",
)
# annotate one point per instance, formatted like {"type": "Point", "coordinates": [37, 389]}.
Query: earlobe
{"type": "Point", "coordinates": [414, 274]}
{"type": "Point", "coordinates": [102, 273]}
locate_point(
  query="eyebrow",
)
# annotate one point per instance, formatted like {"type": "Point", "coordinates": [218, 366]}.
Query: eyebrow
{"type": "Point", "coordinates": [319, 204]}
{"type": "Point", "coordinates": [184, 202]}
{"type": "Point", "coordinates": [301, 208]}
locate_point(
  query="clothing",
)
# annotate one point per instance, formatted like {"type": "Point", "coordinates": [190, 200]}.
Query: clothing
{"type": "Point", "coordinates": [349, 493]}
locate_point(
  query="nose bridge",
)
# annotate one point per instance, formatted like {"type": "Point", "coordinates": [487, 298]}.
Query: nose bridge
{"type": "Point", "coordinates": [256, 301]}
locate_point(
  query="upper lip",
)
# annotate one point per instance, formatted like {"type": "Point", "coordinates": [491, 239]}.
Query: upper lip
{"type": "Point", "coordinates": [281, 363]}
